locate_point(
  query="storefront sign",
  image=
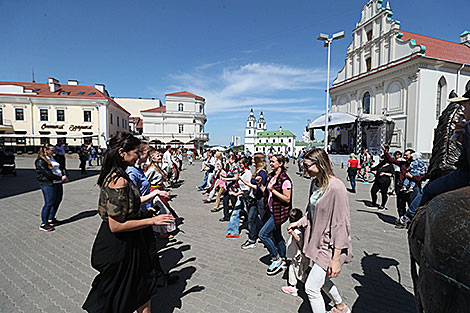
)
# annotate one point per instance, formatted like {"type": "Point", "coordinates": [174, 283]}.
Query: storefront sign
{"type": "Point", "coordinates": [71, 127]}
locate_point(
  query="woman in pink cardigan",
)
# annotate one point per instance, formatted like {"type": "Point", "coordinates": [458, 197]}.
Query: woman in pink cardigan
{"type": "Point", "coordinates": [326, 231]}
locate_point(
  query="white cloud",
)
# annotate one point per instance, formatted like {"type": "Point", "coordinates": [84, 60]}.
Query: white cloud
{"type": "Point", "coordinates": [267, 86]}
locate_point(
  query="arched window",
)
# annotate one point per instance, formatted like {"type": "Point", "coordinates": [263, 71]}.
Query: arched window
{"type": "Point", "coordinates": [366, 103]}
{"type": "Point", "coordinates": [180, 107]}
{"type": "Point", "coordinates": [467, 87]}
{"type": "Point", "coordinates": [440, 96]}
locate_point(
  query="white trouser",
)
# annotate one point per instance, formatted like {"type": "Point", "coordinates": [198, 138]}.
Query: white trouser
{"type": "Point", "coordinates": [297, 269]}
{"type": "Point", "coordinates": [317, 280]}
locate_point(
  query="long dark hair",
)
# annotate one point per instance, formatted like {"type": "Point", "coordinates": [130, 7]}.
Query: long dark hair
{"type": "Point", "coordinates": [112, 161]}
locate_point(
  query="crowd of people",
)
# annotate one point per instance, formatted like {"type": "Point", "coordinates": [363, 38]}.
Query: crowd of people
{"type": "Point", "coordinates": [135, 211]}
{"type": "Point", "coordinates": [262, 198]}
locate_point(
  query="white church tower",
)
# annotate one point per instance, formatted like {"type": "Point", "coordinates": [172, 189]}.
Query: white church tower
{"type": "Point", "coordinates": [261, 123]}
{"type": "Point", "coordinates": [250, 132]}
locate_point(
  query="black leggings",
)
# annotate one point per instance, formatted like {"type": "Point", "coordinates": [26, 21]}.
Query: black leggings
{"type": "Point", "coordinates": [381, 184]}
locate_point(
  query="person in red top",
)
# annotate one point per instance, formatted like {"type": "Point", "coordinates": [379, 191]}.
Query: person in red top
{"type": "Point", "coordinates": [353, 163]}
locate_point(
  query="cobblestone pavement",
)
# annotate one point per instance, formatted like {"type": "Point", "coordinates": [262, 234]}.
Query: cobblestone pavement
{"type": "Point", "coordinates": [51, 272]}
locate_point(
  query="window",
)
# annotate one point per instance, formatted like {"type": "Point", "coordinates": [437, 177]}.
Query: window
{"type": "Point", "coordinates": [180, 128]}
{"type": "Point", "coordinates": [80, 93]}
{"type": "Point", "coordinates": [201, 128]}
{"type": "Point", "coordinates": [117, 120]}
{"type": "Point", "coordinates": [180, 107]}
{"type": "Point", "coordinates": [44, 140]}
{"type": "Point", "coordinates": [369, 35]}
{"type": "Point", "coordinates": [63, 93]}
{"type": "Point", "coordinates": [1, 116]}
{"type": "Point", "coordinates": [441, 84]}
{"type": "Point", "coordinates": [87, 116]}
{"type": "Point", "coordinates": [282, 140]}
{"type": "Point", "coordinates": [36, 89]}
{"type": "Point", "coordinates": [43, 115]}
{"type": "Point", "coordinates": [92, 93]}
{"type": "Point", "coordinates": [249, 132]}
{"type": "Point", "coordinates": [290, 139]}
{"type": "Point", "coordinates": [368, 64]}
{"type": "Point", "coordinates": [200, 109]}
{"type": "Point", "coordinates": [394, 96]}
{"type": "Point", "coordinates": [20, 141]}
{"type": "Point", "coordinates": [60, 116]}
{"type": "Point", "coordinates": [19, 114]}
{"type": "Point", "coordinates": [467, 87]}
{"type": "Point", "coordinates": [111, 119]}
{"type": "Point", "coordinates": [366, 103]}
{"type": "Point", "coordinates": [123, 123]}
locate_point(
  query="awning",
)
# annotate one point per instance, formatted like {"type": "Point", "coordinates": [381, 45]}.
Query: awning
{"type": "Point", "coordinates": [334, 119]}
{"type": "Point", "coordinates": [340, 118]}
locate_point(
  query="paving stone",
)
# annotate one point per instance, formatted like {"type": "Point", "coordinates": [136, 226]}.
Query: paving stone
{"type": "Point", "coordinates": [51, 272]}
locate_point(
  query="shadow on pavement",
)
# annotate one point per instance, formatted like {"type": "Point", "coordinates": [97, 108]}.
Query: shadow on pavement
{"type": "Point", "coordinates": [378, 291]}
{"type": "Point", "coordinates": [25, 181]}
{"type": "Point", "coordinates": [389, 219]}
{"type": "Point", "coordinates": [169, 298]}
{"type": "Point", "coordinates": [78, 216]}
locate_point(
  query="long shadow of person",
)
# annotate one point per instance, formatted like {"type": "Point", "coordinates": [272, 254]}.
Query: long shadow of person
{"type": "Point", "coordinates": [79, 216]}
{"type": "Point", "coordinates": [379, 292]}
{"type": "Point", "coordinates": [169, 298]}
{"type": "Point", "coordinates": [389, 219]}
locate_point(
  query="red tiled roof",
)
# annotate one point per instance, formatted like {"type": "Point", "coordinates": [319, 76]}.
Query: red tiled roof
{"type": "Point", "coordinates": [161, 109]}
{"type": "Point", "coordinates": [440, 49]}
{"type": "Point", "coordinates": [184, 94]}
{"type": "Point", "coordinates": [72, 92]}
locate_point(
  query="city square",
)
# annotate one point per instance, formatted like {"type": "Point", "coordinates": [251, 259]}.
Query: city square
{"type": "Point", "coordinates": [51, 272]}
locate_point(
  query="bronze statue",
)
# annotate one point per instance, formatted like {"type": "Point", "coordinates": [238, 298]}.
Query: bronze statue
{"type": "Point", "coordinates": [439, 234]}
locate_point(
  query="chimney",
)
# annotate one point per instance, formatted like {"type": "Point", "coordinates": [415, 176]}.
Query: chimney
{"type": "Point", "coordinates": [280, 128]}
{"type": "Point", "coordinates": [465, 38]}
{"type": "Point", "coordinates": [53, 84]}
{"type": "Point", "coordinates": [101, 88]}
{"type": "Point", "coordinates": [73, 82]}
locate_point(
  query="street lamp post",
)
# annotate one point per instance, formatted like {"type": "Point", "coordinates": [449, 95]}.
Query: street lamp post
{"type": "Point", "coordinates": [327, 43]}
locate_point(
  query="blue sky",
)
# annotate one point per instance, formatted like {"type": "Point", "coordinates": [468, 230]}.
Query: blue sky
{"type": "Point", "coordinates": [237, 54]}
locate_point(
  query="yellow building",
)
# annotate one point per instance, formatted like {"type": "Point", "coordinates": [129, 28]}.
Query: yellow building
{"type": "Point", "coordinates": [32, 114]}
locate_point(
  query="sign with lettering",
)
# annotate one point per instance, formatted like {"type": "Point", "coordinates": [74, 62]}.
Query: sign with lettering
{"type": "Point", "coordinates": [72, 128]}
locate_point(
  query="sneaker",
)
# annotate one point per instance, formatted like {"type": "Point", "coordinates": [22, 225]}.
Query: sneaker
{"type": "Point", "coordinates": [345, 310]}
{"type": "Point", "coordinates": [381, 209]}
{"type": "Point", "coordinates": [291, 290]}
{"type": "Point", "coordinates": [275, 266]}
{"type": "Point", "coordinates": [46, 227]}
{"type": "Point", "coordinates": [232, 236]}
{"type": "Point", "coordinates": [249, 245]}
{"type": "Point", "coordinates": [54, 222]}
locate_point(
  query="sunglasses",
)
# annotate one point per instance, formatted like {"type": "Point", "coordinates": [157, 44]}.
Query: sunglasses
{"type": "Point", "coordinates": [307, 165]}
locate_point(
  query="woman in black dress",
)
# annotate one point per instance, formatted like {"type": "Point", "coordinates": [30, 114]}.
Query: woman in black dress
{"type": "Point", "coordinates": [127, 277]}
{"type": "Point", "coordinates": [383, 178]}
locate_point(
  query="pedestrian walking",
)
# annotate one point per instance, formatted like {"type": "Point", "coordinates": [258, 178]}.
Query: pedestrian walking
{"type": "Point", "coordinates": [277, 204]}
{"type": "Point", "coordinates": [99, 156]}
{"type": "Point", "coordinates": [127, 278]}
{"type": "Point", "coordinates": [353, 164]}
{"type": "Point", "coordinates": [83, 157]}
{"type": "Point", "coordinates": [51, 178]}
{"type": "Point", "coordinates": [382, 181]}
{"type": "Point", "coordinates": [327, 240]}
{"type": "Point", "coordinates": [60, 152]}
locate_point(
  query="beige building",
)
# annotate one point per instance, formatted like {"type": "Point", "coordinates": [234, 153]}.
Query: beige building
{"type": "Point", "coordinates": [134, 106]}
{"type": "Point", "coordinates": [32, 114]}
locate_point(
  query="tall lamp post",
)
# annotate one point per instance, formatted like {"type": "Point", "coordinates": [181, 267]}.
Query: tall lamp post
{"type": "Point", "coordinates": [327, 43]}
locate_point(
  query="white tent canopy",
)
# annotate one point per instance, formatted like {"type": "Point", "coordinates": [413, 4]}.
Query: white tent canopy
{"type": "Point", "coordinates": [335, 118]}
{"type": "Point", "coordinates": [340, 118]}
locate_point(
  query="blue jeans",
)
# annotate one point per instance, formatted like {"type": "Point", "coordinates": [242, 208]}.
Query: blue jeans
{"type": "Point", "coordinates": [416, 197]}
{"type": "Point", "coordinates": [204, 182]}
{"type": "Point", "coordinates": [234, 223]}
{"type": "Point", "coordinates": [52, 199]}
{"type": "Point", "coordinates": [255, 214]}
{"type": "Point", "coordinates": [352, 180]}
{"type": "Point", "coordinates": [275, 245]}
{"type": "Point", "coordinates": [454, 180]}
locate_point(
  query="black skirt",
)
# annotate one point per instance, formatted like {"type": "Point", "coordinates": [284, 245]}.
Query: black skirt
{"type": "Point", "coordinates": [127, 278]}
